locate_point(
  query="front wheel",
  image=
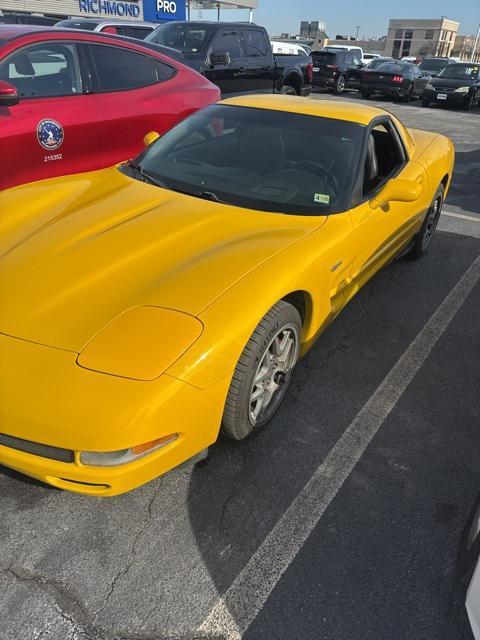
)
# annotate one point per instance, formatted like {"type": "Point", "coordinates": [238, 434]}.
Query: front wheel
{"type": "Point", "coordinates": [427, 231]}
{"type": "Point", "coordinates": [468, 102]}
{"type": "Point", "coordinates": [263, 372]}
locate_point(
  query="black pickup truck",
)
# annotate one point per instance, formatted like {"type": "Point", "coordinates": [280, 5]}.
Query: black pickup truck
{"type": "Point", "coordinates": [236, 56]}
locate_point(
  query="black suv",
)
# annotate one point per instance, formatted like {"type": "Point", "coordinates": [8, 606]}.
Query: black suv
{"type": "Point", "coordinates": [337, 70]}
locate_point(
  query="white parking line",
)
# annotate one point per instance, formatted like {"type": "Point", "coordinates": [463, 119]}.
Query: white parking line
{"type": "Point", "coordinates": [233, 612]}
{"type": "Point", "coordinates": [450, 214]}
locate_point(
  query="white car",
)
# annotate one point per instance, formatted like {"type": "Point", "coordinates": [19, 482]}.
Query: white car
{"type": "Point", "coordinates": [468, 556]}
{"type": "Point", "coordinates": [288, 48]}
{"type": "Point", "coordinates": [368, 57]}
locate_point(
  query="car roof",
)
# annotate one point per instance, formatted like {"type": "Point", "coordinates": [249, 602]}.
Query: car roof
{"type": "Point", "coordinates": [106, 21]}
{"type": "Point", "coordinates": [337, 110]}
{"type": "Point", "coordinates": [9, 31]}
{"type": "Point", "coordinates": [7, 34]}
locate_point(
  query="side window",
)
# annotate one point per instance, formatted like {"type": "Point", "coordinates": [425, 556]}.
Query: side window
{"type": "Point", "coordinates": [255, 44]}
{"type": "Point", "coordinates": [385, 156]}
{"type": "Point", "coordinates": [119, 69]}
{"type": "Point", "coordinates": [137, 32]}
{"type": "Point", "coordinates": [349, 60]}
{"type": "Point", "coordinates": [44, 70]}
{"type": "Point", "coordinates": [356, 61]}
{"type": "Point", "coordinates": [228, 42]}
{"type": "Point", "coordinates": [164, 71]}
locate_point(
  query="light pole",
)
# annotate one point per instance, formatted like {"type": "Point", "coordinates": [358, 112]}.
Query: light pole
{"type": "Point", "coordinates": [476, 44]}
{"type": "Point", "coordinates": [358, 29]}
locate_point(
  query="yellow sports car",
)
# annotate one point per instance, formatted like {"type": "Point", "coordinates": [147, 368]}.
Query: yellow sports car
{"type": "Point", "coordinates": [146, 306]}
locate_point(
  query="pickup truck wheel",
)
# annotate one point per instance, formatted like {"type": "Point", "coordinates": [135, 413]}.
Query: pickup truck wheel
{"type": "Point", "coordinates": [288, 90]}
{"type": "Point", "coordinates": [429, 225]}
{"type": "Point", "coordinates": [263, 372]}
{"type": "Point", "coordinates": [340, 86]}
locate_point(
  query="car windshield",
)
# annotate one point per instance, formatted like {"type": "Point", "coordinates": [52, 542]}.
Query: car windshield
{"type": "Point", "coordinates": [460, 71]}
{"type": "Point", "coordinates": [258, 159]}
{"type": "Point", "coordinates": [433, 65]}
{"type": "Point", "coordinates": [187, 38]}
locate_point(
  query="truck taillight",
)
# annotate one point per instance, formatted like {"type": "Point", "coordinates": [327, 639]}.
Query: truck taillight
{"type": "Point", "coordinates": [397, 78]}
{"type": "Point", "coordinates": [310, 72]}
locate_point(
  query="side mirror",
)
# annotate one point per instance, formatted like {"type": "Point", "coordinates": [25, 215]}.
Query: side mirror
{"type": "Point", "coordinates": [396, 190]}
{"type": "Point", "coordinates": [219, 57]}
{"type": "Point", "coordinates": [8, 94]}
{"type": "Point", "coordinates": [150, 137]}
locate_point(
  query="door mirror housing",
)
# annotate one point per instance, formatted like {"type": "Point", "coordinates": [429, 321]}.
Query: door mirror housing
{"type": "Point", "coordinates": [150, 137]}
{"type": "Point", "coordinates": [8, 94]}
{"type": "Point", "coordinates": [396, 190]}
{"type": "Point", "coordinates": [219, 57]}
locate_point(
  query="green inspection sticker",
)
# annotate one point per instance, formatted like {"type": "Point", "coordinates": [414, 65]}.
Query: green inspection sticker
{"type": "Point", "coordinates": [321, 197]}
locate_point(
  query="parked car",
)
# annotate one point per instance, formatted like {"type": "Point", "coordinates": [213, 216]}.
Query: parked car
{"type": "Point", "coordinates": [374, 64]}
{"type": "Point", "coordinates": [368, 57]}
{"type": "Point", "coordinates": [121, 28]}
{"type": "Point", "coordinates": [458, 85]}
{"type": "Point", "coordinates": [148, 305]}
{"type": "Point", "coordinates": [430, 68]}
{"type": "Point", "coordinates": [27, 18]}
{"type": "Point", "coordinates": [468, 564]}
{"type": "Point", "coordinates": [396, 79]}
{"type": "Point", "coordinates": [412, 59]}
{"type": "Point", "coordinates": [236, 56]}
{"type": "Point", "coordinates": [288, 48]}
{"type": "Point", "coordinates": [76, 101]}
{"type": "Point", "coordinates": [336, 69]}
{"type": "Point", "coordinates": [358, 51]}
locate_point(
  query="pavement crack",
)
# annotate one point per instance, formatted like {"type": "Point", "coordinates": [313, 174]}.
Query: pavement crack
{"type": "Point", "coordinates": [231, 495]}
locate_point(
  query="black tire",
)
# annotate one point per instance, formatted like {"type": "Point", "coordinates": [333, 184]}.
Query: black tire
{"type": "Point", "coordinates": [365, 94]}
{"type": "Point", "coordinates": [425, 103]}
{"type": "Point", "coordinates": [469, 548]}
{"type": "Point", "coordinates": [408, 95]}
{"type": "Point", "coordinates": [237, 422]}
{"type": "Point", "coordinates": [468, 102]}
{"type": "Point", "coordinates": [340, 85]}
{"type": "Point", "coordinates": [288, 90]}
{"type": "Point", "coordinates": [427, 230]}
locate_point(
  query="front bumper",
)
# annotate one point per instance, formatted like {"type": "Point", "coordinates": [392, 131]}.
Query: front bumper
{"type": "Point", "coordinates": [46, 398]}
{"type": "Point", "coordinates": [384, 90]}
{"type": "Point", "coordinates": [453, 99]}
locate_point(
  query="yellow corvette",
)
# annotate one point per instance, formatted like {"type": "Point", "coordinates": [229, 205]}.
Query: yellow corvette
{"type": "Point", "coordinates": [147, 306]}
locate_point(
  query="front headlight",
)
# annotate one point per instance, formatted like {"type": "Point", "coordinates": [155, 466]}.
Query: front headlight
{"type": "Point", "coordinates": [124, 456]}
{"type": "Point", "coordinates": [462, 90]}
{"type": "Point", "coordinates": [429, 86]}
{"type": "Point", "coordinates": [141, 343]}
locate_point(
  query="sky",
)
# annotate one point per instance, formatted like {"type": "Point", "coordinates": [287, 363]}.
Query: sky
{"type": "Point", "coordinates": [280, 16]}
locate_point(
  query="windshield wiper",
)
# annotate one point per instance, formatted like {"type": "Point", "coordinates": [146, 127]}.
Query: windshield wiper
{"type": "Point", "coordinates": [145, 176]}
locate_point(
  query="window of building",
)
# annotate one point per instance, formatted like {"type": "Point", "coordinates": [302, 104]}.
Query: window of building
{"type": "Point", "coordinates": [408, 35]}
{"type": "Point", "coordinates": [398, 33]}
{"type": "Point", "coordinates": [429, 34]}
{"type": "Point", "coordinates": [396, 48]}
{"type": "Point", "coordinates": [406, 48]}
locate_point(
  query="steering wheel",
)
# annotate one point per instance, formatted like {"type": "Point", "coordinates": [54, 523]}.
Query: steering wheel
{"type": "Point", "coordinates": [329, 176]}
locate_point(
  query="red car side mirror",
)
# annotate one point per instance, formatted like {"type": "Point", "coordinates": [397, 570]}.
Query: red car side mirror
{"type": "Point", "coordinates": [8, 94]}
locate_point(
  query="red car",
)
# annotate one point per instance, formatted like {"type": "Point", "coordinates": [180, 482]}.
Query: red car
{"type": "Point", "coordinates": [73, 101]}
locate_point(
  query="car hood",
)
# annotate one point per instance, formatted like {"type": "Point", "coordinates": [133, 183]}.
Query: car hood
{"type": "Point", "coordinates": [451, 83]}
{"type": "Point", "coordinates": [77, 251]}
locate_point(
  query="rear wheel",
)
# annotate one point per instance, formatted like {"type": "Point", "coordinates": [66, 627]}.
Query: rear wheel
{"type": "Point", "coordinates": [263, 372]}
{"type": "Point", "coordinates": [408, 94]}
{"type": "Point", "coordinates": [427, 231]}
{"type": "Point", "coordinates": [340, 85]}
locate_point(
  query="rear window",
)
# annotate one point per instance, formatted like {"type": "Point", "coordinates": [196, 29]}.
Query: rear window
{"type": "Point", "coordinates": [433, 65]}
{"type": "Point", "coordinates": [389, 67]}
{"type": "Point", "coordinates": [77, 24]}
{"type": "Point", "coordinates": [461, 71]}
{"type": "Point", "coordinates": [325, 57]}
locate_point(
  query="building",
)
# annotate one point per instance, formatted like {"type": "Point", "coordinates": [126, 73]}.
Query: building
{"type": "Point", "coordinates": [311, 29]}
{"type": "Point", "coordinates": [132, 10]}
{"type": "Point", "coordinates": [463, 49]}
{"type": "Point", "coordinates": [420, 38]}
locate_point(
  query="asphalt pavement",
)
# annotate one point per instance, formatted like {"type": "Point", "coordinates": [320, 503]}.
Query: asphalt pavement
{"type": "Point", "coordinates": [339, 521]}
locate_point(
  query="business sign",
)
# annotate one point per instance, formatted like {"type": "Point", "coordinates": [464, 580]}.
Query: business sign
{"type": "Point", "coordinates": [113, 8]}
{"type": "Point", "coordinates": [160, 10]}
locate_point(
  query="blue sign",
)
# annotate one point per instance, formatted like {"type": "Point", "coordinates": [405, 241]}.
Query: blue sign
{"type": "Point", "coordinates": [161, 10]}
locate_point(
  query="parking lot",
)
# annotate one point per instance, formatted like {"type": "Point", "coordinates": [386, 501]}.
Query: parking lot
{"type": "Point", "coordinates": [339, 521]}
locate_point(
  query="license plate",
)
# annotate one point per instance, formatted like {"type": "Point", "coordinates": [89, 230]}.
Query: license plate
{"type": "Point", "coordinates": [316, 68]}
{"type": "Point", "coordinates": [441, 96]}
